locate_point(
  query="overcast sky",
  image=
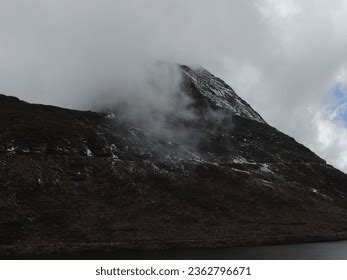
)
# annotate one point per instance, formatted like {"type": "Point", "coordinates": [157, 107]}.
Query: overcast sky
{"type": "Point", "coordinates": [287, 58]}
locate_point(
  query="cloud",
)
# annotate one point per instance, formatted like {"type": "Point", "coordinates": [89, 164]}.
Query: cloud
{"type": "Point", "coordinates": [331, 140]}
{"type": "Point", "coordinates": [291, 80]}
{"type": "Point", "coordinates": [60, 51]}
{"type": "Point", "coordinates": [282, 56]}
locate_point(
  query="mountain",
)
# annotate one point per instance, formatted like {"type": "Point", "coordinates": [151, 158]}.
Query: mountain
{"type": "Point", "coordinates": [76, 182]}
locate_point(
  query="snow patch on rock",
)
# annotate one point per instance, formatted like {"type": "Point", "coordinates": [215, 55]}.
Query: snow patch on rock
{"type": "Point", "coordinates": [265, 168]}
{"type": "Point", "coordinates": [89, 152]}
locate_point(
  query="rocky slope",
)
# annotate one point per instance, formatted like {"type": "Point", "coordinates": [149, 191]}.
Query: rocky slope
{"type": "Point", "coordinates": [74, 182]}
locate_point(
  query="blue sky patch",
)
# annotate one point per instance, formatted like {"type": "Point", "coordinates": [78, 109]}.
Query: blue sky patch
{"type": "Point", "coordinates": [338, 104]}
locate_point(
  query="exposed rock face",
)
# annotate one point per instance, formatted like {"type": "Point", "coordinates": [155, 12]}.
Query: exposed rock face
{"type": "Point", "coordinates": [72, 181]}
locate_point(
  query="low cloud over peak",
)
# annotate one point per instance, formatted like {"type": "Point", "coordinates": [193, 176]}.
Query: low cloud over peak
{"type": "Point", "coordinates": [283, 57]}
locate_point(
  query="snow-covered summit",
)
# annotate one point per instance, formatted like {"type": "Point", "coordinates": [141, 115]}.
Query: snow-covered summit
{"type": "Point", "coordinates": [219, 93]}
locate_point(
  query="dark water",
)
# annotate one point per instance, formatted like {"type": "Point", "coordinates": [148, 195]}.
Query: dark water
{"type": "Point", "coordinates": [305, 251]}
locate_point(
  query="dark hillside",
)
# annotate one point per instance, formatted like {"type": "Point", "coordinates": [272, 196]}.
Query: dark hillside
{"type": "Point", "coordinates": [73, 181]}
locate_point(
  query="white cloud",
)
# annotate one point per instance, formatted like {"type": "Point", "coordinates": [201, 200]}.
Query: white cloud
{"type": "Point", "coordinates": [279, 8]}
{"type": "Point", "coordinates": [331, 141]}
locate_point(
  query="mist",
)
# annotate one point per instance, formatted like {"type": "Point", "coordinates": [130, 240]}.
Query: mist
{"type": "Point", "coordinates": [67, 53]}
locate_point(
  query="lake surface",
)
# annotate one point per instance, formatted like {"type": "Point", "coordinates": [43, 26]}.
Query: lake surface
{"type": "Point", "coordinates": [305, 251]}
{"type": "Point", "coordinates": [336, 250]}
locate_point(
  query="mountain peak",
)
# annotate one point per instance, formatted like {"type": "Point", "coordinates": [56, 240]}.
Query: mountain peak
{"type": "Point", "coordinates": [218, 93]}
